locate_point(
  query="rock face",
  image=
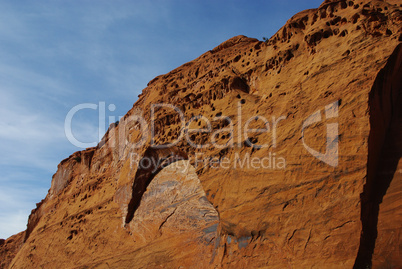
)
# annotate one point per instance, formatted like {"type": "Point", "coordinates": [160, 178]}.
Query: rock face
{"type": "Point", "coordinates": [319, 185]}
{"type": "Point", "coordinates": [10, 247]}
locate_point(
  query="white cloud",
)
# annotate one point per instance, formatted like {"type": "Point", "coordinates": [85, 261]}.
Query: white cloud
{"type": "Point", "coordinates": [16, 204]}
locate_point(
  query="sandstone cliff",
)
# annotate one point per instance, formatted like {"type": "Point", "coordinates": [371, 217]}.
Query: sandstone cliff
{"type": "Point", "coordinates": [322, 198]}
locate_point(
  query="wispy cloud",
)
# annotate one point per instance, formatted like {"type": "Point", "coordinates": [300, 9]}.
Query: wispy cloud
{"type": "Point", "coordinates": [16, 203]}
{"type": "Point", "coordinates": [58, 54]}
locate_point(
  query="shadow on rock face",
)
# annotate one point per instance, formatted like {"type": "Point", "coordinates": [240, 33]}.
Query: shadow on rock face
{"type": "Point", "coordinates": [153, 161]}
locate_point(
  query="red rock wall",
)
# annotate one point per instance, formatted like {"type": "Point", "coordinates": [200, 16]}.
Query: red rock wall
{"type": "Point", "coordinates": [307, 212]}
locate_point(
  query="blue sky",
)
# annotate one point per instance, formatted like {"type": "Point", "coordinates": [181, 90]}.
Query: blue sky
{"type": "Point", "coordinates": [58, 54]}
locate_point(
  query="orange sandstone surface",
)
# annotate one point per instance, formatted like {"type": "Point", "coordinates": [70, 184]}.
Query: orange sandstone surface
{"type": "Point", "coordinates": [318, 186]}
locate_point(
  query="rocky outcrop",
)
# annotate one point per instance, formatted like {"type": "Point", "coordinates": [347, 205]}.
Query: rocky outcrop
{"type": "Point", "coordinates": [10, 247]}
{"type": "Point", "coordinates": [77, 164]}
{"type": "Point", "coordinates": [153, 160]}
{"type": "Point", "coordinates": [318, 185]}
